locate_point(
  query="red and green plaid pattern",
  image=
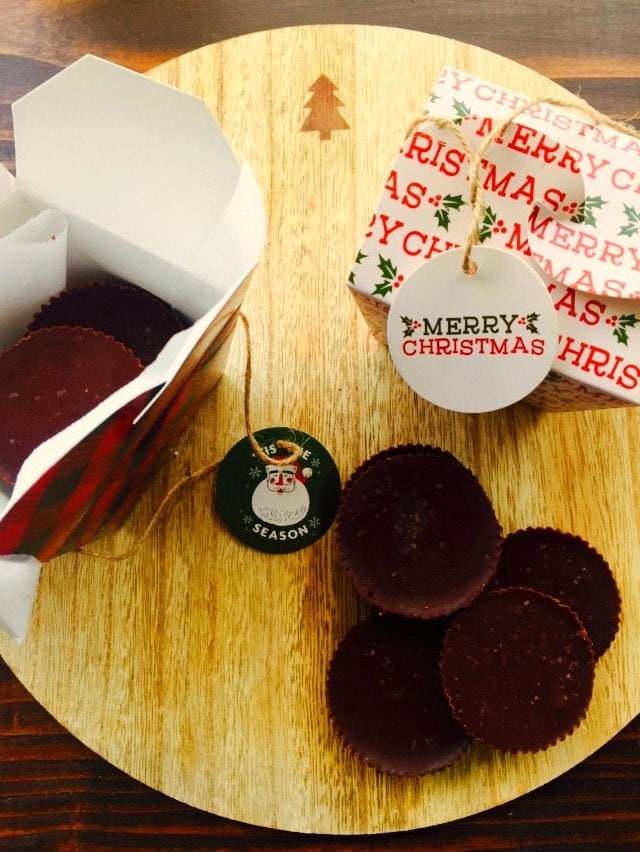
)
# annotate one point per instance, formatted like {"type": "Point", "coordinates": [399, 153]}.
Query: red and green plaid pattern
{"type": "Point", "coordinates": [97, 483]}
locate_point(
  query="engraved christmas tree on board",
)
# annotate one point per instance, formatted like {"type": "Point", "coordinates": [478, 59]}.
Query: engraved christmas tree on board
{"type": "Point", "coordinates": [324, 115]}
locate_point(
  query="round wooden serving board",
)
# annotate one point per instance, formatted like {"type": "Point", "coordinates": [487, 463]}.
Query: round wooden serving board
{"type": "Point", "coordinates": [198, 666]}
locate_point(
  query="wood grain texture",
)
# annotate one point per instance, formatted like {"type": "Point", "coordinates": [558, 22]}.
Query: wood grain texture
{"type": "Point", "coordinates": [198, 666]}
{"type": "Point", "coordinates": [586, 47]}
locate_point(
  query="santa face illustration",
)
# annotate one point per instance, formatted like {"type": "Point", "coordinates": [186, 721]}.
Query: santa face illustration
{"type": "Point", "coordinates": [282, 498]}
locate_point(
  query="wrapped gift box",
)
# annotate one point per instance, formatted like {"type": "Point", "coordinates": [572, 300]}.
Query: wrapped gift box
{"type": "Point", "coordinates": [561, 191]}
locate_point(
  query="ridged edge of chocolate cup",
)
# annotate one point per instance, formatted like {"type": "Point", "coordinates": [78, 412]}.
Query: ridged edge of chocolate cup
{"type": "Point", "coordinates": [167, 313]}
{"type": "Point", "coordinates": [607, 572]}
{"type": "Point", "coordinates": [579, 718]}
{"type": "Point", "coordinates": [379, 458]}
{"type": "Point", "coordinates": [4, 478]}
{"type": "Point", "coordinates": [354, 751]}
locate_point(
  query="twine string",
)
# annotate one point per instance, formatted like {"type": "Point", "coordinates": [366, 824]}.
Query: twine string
{"type": "Point", "coordinates": [292, 448]}
{"type": "Point", "coordinates": [476, 190]}
{"type": "Point", "coordinates": [469, 267]}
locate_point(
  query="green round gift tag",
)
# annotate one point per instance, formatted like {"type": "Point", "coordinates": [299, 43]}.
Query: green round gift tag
{"type": "Point", "coordinates": [277, 508]}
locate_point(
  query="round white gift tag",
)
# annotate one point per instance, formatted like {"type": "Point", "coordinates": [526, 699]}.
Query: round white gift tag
{"type": "Point", "coordinates": [477, 342]}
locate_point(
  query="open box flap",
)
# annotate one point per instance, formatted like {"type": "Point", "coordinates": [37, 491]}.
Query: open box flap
{"type": "Point", "coordinates": [225, 258]}
{"type": "Point", "coordinates": [136, 158]}
{"type": "Point", "coordinates": [14, 209]}
{"type": "Point", "coordinates": [7, 183]}
{"type": "Point", "coordinates": [32, 269]}
{"type": "Point", "coordinates": [19, 577]}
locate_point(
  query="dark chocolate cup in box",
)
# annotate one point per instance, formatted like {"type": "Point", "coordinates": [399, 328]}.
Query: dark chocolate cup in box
{"type": "Point", "coordinates": [416, 532]}
{"type": "Point", "coordinates": [135, 317]}
{"type": "Point", "coordinates": [51, 378]}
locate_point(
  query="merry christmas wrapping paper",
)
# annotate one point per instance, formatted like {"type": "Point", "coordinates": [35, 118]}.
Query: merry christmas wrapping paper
{"type": "Point", "coordinates": [560, 190]}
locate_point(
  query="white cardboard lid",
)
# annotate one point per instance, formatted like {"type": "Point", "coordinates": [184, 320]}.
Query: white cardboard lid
{"type": "Point", "coordinates": [138, 159]}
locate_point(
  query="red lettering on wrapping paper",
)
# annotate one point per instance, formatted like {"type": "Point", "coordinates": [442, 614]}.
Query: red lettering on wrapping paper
{"type": "Point", "coordinates": [616, 141]}
{"type": "Point", "coordinates": [491, 182]}
{"type": "Point", "coordinates": [411, 197]}
{"type": "Point", "coordinates": [387, 226]}
{"type": "Point", "coordinates": [518, 240]}
{"type": "Point", "coordinates": [635, 254]}
{"type": "Point", "coordinates": [388, 229]}
{"type": "Point", "coordinates": [583, 281]}
{"type": "Point", "coordinates": [459, 79]}
{"type": "Point", "coordinates": [525, 140]}
{"type": "Point", "coordinates": [532, 143]}
{"type": "Point", "coordinates": [488, 93]}
{"type": "Point", "coordinates": [554, 198]}
{"type": "Point", "coordinates": [599, 362]}
{"type": "Point", "coordinates": [391, 186]}
{"type": "Point", "coordinates": [563, 236]}
{"type": "Point", "coordinates": [420, 145]}
{"type": "Point", "coordinates": [591, 313]}
{"type": "Point", "coordinates": [447, 160]}
{"type": "Point", "coordinates": [484, 92]}
{"type": "Point", "coordinates": [501, 186]}
{"type": "Point", "coordinates": [414, 195]}
{"type": "Point", "coordinates": [510, 100]}
{"type": "Point", "coordinates": [414, 242]}
{"type": "Point", "coordinates": [417, 242]}
{"type": "Point", "coordinates": [613, 287]}
{"type": "Point", "coordinates": [525, 191]}
{"type": "Point", "coordinates": [521, 137]}
{"type": "Point", "coordinates": [623, 179]}
{"type": "Point", "coordinates": [546, 152]}
{"type": "Point", "coordinates": [536, 226]}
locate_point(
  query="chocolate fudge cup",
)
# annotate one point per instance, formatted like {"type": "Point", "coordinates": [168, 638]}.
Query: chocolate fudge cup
{"type": "Point", "coordinates": [567, 568]}
{"type": "Point", "coordinates": [141, 321]}
{"type": "Point", "coordinates": [416, 532]}
{"type": "Point", "coordinates": [51, 378]}
{"type": "Point", "coordinates": [517, 668]}
{"type": "Point", "coordinates": [385, 697]}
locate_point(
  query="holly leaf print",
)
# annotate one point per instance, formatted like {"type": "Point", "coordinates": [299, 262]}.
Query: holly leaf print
{"type": "Point", "coordinates": [585, 214]}
{"type": "Point", "coordinates": [453, 202]}
{"type": "Point", "coordinates": [531, 320]}
{"type": "Point", "coordinates": [352, 275]}
{"type": "Point", "coordinates": [388, 272]}
{"type": "Point", "coordinates": [448, 203]}
{"type": "Point", "coordinates": [624, 322]}
{"type": "Point", "coordinates": [461, 110]}
{"type": "Point", "coordinates": [486, 226]}
{"type": "Point", "coordinates": [621, 336]}
{"type": "Point", "coordinates": [409, 326]}
{"type": "Point", "coordinates": [632, 225]}
{"type": "Point", "coordinates": [442, 217]}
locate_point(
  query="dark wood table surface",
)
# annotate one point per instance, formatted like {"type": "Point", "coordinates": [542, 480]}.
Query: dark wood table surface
{"type": "Point", "coordinates": [54, 792]}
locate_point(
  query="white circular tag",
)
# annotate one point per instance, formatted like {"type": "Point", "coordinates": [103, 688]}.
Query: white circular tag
{"type": "Point", "coordinates": [473, 343]}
